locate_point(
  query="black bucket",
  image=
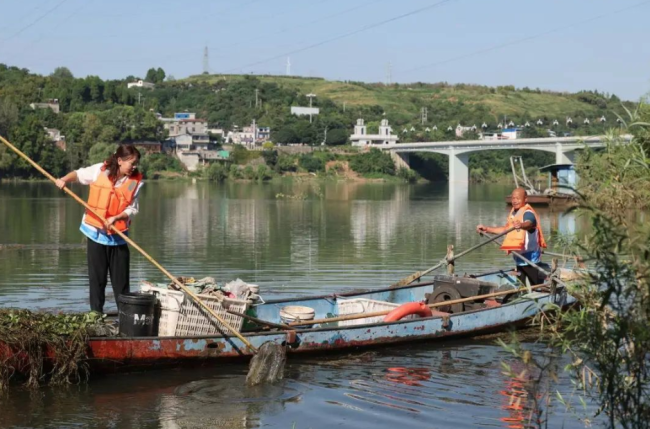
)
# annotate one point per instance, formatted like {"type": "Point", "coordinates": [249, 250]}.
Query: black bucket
{"type": "Point", "coordinates": [136, 314]}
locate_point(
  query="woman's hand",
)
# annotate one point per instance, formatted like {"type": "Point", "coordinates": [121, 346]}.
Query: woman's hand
{"type": "Point", "coordinates": [109, 222]}
{"type": "Point", "coordinates": [60, 183]}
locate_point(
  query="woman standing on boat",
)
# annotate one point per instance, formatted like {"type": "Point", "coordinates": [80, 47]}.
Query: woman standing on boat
{"type": "Point", "coordinates": [527, 239]}
{"type": "Point", "coordinates": [114, 188]}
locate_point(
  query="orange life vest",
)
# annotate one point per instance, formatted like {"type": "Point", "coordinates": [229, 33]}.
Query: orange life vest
{"type": "Point", "coordinates": [107, 200]}
{"type": "Point", "coordinates": [516, 239]}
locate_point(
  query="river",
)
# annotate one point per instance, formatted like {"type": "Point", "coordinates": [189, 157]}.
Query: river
{"type": "Point", "coordinates": [291, 238]}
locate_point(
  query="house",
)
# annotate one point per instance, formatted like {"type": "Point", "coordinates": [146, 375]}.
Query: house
{"type": "Point", "coordinates": [56, 137]}
{"type": "Point", "coordinates": [460, 130]}
{"type": "Point", "coordinates": [250, 136]}
{"type": "Point", "coordinates": [184, 123]}
{"type": "Point", "coordinates": [360, 137]}
{"type": "Point", "coordinates": [49, 104]}
{"type": "Point", "coordinates": [196, 158]}
{"type": "Point", "coordinates": [191, 142]}
{"type": "Point", "coordinates": [504, 134]}
{"type": "Point", "coordinates": [141, 84]}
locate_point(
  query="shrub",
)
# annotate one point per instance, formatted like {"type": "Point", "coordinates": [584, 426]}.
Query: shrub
{"type": "Point", "coordinates": [248, 173]}
{"type": "Point", "coordinates": [217, 172]}
{"type": "Point", "coordinates": [234, 172]}
{"type": "Point", "coordinates": [312, 163]}
{"type": "Point", "coordinates": [286, 163]}
{"type": "Point", "coordinates": [375, 161]}
{"type": "Point", "coordinates": [263, 172]}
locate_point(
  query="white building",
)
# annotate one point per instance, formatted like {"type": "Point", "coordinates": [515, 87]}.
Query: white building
{"type": "Point", "coordinates": [185, 123]}
{"type": "Point", "coordinates": [304, 111]}
{"type": "Point", "coordinates": [362, 138]}
{"type": "Point", "coordinates": [140, 84]}
{"type": "Point", "coordinates": [49, 104]}
{"type": "Point", "coordinates": [250, 136]}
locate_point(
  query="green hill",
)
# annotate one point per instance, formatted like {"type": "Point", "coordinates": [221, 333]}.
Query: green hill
{"type": "Point", "coordinates": [446, 104]}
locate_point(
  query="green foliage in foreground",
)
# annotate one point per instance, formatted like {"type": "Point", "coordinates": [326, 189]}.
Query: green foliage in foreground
{"type": "Point", "coordinates": [27, 338]}
{"type": "Point", "coordinates": [608, 337]}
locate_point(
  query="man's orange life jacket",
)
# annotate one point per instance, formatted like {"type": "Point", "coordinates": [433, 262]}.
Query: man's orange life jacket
{"type": "Point", "coordinates": [107, 200]}
{"type": "Point", "coordinates": [516, 239]}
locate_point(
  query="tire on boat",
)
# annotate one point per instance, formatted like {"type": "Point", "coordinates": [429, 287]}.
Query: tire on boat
{"type": "Point", "coordinates": [408, 309]}
{"type": "Point", "coordinates": [444, 293]}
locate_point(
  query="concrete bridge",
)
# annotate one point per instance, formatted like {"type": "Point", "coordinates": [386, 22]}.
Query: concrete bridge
{"type": "Point", "coordinates": [458, 151]}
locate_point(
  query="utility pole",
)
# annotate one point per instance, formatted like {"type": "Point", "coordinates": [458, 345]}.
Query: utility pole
{"type": "Point", "coordinates": [139, 97]}
{"type": "Point", "coordinates": [423, 114]}
{"type": "Point", "coordinates": [256, 97]}
{"type": "Point", "coordinates": [288, 66]}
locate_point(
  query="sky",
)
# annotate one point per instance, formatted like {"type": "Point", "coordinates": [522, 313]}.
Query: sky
{"type": "Point", "coordinates": [560, 45]}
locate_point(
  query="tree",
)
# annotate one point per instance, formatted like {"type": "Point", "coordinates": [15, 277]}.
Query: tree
{"type": "Point", "coordinates": [100, 152]}
{"type": "Point", "coordinates": [151, 75]}
{"type": "Point", "coordinates": [337, 136]}
{"type": "Point", "coordinates": [8, 116]}
{"type": "Point", "coordinates": [62, 73]}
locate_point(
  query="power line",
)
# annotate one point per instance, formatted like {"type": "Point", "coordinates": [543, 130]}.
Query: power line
{"type": "Point", "coordinates": [352, 33]}
{"type": "Point", "coordinates": [315, 21]}
{"type": "Point", "coordinates": [525, 39]}
{"type": "Point", "coordinates": [31, 24]}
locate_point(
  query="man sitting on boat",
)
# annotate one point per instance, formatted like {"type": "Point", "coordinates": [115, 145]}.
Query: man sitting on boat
{"type": "Point", "coordinates": [527, 239]}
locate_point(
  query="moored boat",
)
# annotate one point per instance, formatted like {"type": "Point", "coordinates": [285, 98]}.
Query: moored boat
{"type": "Point", "coordinates": [474, 317]}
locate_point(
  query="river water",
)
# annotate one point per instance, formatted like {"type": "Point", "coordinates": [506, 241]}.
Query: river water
{"type": "Point", "coordinates": [291, 238]}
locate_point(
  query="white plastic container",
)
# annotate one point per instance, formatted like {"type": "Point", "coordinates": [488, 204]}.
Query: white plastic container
{"type": "Point", "coordinates": [170, 306]}
{"type": "Point", "coordinates": [360, 306]}
{"type": "Point", "coordinates": [296, 313]}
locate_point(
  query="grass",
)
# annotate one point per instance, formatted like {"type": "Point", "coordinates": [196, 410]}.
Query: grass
{"type": "Point", "coordinates": [409, 98]}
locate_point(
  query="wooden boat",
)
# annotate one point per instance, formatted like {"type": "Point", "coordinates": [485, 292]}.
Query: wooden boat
{"type": "Point", "coordinates": [560, 189]}
{"type": "Point", "coordinates": [550, 199]}
{"type": "Point", "coordinates": [109, 354]}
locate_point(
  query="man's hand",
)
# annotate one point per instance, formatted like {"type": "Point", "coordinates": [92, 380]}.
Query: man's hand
{"type": "Point", "coordinates": [481, 228]}
{"type": "Point", "coordinates": [517, 224]}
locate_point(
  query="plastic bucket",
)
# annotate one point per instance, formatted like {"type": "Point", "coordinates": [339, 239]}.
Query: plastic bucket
{"type": "Point", "coordinates": [136, 314]}
{"type": "Point", "coordinates": [296, 313]}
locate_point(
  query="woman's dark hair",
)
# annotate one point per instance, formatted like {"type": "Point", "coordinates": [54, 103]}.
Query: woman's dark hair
{"type": "Point", "coordinates": [123, 151]}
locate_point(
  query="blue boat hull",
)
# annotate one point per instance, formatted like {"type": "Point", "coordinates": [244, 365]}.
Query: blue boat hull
{"type": "Point", "coordinates": [118, 354]}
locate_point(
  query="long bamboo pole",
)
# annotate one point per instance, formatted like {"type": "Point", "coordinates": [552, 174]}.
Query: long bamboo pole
{"type": "Point", "coordinates": [413, 277]}
{"type": "Point", "coordinates": [435, 305]}
{"type": "Point", "coordinates": [134, 245]}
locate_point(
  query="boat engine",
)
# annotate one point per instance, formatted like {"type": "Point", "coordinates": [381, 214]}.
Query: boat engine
{"type": "Point", "coordinates": [450, 288]}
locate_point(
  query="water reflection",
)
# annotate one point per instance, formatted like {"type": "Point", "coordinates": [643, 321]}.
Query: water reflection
{"type": "Point", "coordinates": [454, 384]}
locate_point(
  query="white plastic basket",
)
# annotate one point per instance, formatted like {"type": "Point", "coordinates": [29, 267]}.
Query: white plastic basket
{"type": "Point", "coordinates": [360, 306]}
{"type": "Point", "coordinates": [195, 321]}
{"type": "Point", "coordinates": [170, 306]}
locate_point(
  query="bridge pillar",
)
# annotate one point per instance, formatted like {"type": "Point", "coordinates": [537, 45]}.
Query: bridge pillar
{"type": "Point", "coordinates": [562, 157]}
{"type": "Point", "coordinates": [458, 167]}
{"type": "Point", "coordinates": [401, 160]}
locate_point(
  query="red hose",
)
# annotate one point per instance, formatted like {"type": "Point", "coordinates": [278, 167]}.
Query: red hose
{"type": "Point", "coordinates": [407, 309]}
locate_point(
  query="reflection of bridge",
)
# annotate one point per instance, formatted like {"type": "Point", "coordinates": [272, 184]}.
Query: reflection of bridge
{"type": "Point", "coordinates": [458, 151]}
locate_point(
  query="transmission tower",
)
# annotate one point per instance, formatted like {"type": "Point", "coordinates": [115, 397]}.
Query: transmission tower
{"type": "Point", "coordinates": [423, 114]}
{"type": "Point", "coordinates": [288, 66]}
{"type": "Point", "coordinates": [389, 73]}
{"type": "Point", "coordinates": [206, 61]}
